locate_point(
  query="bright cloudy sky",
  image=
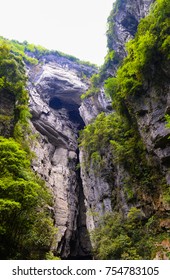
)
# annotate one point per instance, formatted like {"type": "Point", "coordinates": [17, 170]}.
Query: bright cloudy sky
{"type": "Point", "coordinates": [75, 27]}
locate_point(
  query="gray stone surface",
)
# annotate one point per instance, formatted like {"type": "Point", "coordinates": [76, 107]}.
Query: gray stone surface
{"type": "Point", "coordinates": [94, 105]}
{"type": "Point", "coordinates": [56, 145]}
{"type": "Point", "coordinates": [81, 200]}
{"type": "Point", "coordinates": [126, 20]}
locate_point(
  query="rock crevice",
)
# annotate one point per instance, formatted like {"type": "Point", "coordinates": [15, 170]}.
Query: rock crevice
{"type": "Point", "coordinates": [83, 196]}
{"type": "Point", "coordinates": [55, 91]}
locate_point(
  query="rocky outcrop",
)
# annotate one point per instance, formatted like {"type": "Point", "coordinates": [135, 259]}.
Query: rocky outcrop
{"type": "Point", "coordinates": [94, 105]}
{"type": "Point", "coordinates": [55, 91]}
{"type": "Point", "coordinates": [82, 196]}
{"type": "Point", "coordinates": [122, 26]}
{"type": "Point", "coordinates": [149, 110]}
{"type": "Point", "coordinates": [100, 188]}
{"type": "Point", "coordinates": [123, 23]}
{"type": "Point", "coordinates": [97, 192]}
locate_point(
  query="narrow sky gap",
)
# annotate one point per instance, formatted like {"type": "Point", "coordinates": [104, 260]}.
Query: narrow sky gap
{"type": "Point", "coordinates": [75, 27]}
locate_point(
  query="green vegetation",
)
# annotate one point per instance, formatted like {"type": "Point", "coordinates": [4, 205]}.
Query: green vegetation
{"type": "Point", "coordinates": [146, 54]}
{"type": "Point", "coordinates": [111, 59]}
{"type": "Point", "coordinates": [26, 228]}
{"type": "Point", "coordinates": [132, 238]}
{"type": "Point", "coordinates": [26, 225]}
{"type": "Point", "coordinates": [26, 51]}
{"type": "Point", "coordinates": [110, 132]}
{"type": "Point", "coordinates": [168, 121]}
{"type": "Point", "coordinates": [18, 49]}
{"type": "Point", "coordinates": [115, 131]}
{"type": "Point", "coordinates": [115, 138]}
{"type": "Point", "coordinates": [12, 83]}
{"type": "Point", "coordinates": [94, 87]}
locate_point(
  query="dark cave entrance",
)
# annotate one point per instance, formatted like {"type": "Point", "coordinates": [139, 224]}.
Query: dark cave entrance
{"type": "Point", "coordinates": [72, 109]}
{"type": "Point", "coordinates": [75, 117]}
{"type": "Point", "coordinates": [55, 103]}
{"type": "Point", "coordinates": [79, 244]}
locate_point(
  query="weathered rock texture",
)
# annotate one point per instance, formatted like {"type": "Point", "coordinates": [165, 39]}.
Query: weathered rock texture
{"type": "Point", "coordinates": [82, 197]}
{"type": "Point", "coordinates": [94, 105]}
{"type": "Point", "coordinates": [55, 90]}
{"type": "Point", "coordinates": [149, 110]}
{"type": "Point", "coordinates": [106, 190]}
{"type": "Point", "coordinates": [97, 192]}
{"type": "Point", "coordinates": [123, 22]}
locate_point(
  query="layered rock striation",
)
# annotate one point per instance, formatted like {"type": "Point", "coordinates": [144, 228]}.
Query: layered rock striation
{"type": "Point", "coordinates": [122, 26]}
{"type": "Point", "coordinates": [82, 195]}
{"type": "Point", "coordinates": [106, 191]}
{"type": "Point", "coordinates": [55, 89]}
{"type": "Point", "coordinates": [123, 22]}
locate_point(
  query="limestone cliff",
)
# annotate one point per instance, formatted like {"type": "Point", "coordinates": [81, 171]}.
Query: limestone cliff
{"type": "Point", "coordinates": [122, 26]}
{"type": "Point", "coordinates": [113, 187]}
{"type": "Point", "coordinates": [123, 22]}
{"type": "Point", "coordinates": [83, 196]}
{"type": "Point", "coordinates": [55, 87]}
{"type": "Point", "coordinates": [121, 168]}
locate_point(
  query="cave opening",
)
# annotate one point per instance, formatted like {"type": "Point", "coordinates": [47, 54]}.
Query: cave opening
{"type": "Point", "coordinates": [80, 247]}
{"type": "Point", "coordinates": [75, 117]}
{"type": "Point", "coordinates": [55, 103]}
{"type": "Point", "coordinates": [72, 109]}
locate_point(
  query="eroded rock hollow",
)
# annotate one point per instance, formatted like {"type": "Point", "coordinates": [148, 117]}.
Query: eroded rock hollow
{"type": "Point", "coordinates": [82, 196]}
{"type": "Point", "coordinates": [55, 87]}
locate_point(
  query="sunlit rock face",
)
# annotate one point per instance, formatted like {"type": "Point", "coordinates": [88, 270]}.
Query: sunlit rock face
{"type": "Point", "coordinates": [94, 105]}
{"type": "Point", "coordinates": [147, 110]}
{"type": "Point", "coordinates": [126, 17]}
{"type": "Point", "coordinates": [55, 88]}
{"type": "Point", "coordinates": [123, 22]}
{"type": "Point", "coordinates": [82, 196]}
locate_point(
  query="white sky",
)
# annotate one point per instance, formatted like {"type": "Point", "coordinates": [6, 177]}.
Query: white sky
{"type": "Point", "coordinates": [75, 27]}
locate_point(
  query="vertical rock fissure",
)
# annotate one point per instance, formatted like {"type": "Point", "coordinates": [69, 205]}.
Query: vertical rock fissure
{"type": "Point", "coordinates": [55, 92]}
{"type": "Point", "coordinates": [80, 244]}
{"type": "Point", "coordinates": [75, 243]}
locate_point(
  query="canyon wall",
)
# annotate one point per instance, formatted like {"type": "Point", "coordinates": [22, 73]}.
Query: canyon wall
{"type": "Point", "coordinates": [55, 87]}
{"type": "Point", "coordinates": [82, 195]}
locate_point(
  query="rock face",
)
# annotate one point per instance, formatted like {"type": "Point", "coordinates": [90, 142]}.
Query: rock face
{"type": "Point", "coordinates": [150, 109]}
{"type": "Point", "coordinates": [123, 22]}
{"type": "Point", "coordinates": [55, 90]}
{"type": "Point", "coordinates": [82, 196]}
{"type": "Point", "coordinates": [99, 188]}
{"type": "Point", "coordinates": [97, 192]}
{"type": "Point", "coordinates": [94, 105]}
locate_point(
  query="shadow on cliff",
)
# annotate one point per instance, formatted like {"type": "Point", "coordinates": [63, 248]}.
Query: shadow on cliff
{"type": "Point", "coordinates": [72, 110]}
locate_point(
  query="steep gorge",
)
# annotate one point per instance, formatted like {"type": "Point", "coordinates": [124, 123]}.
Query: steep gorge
{"type": "Point", "coordinates": [55, 89]}
{"type": "Point", "coordinates": [83, 196]}
{"type": "Point", "coordinates": [113, 181]}
{"type": "Point", "coordinates": [126, 152]}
